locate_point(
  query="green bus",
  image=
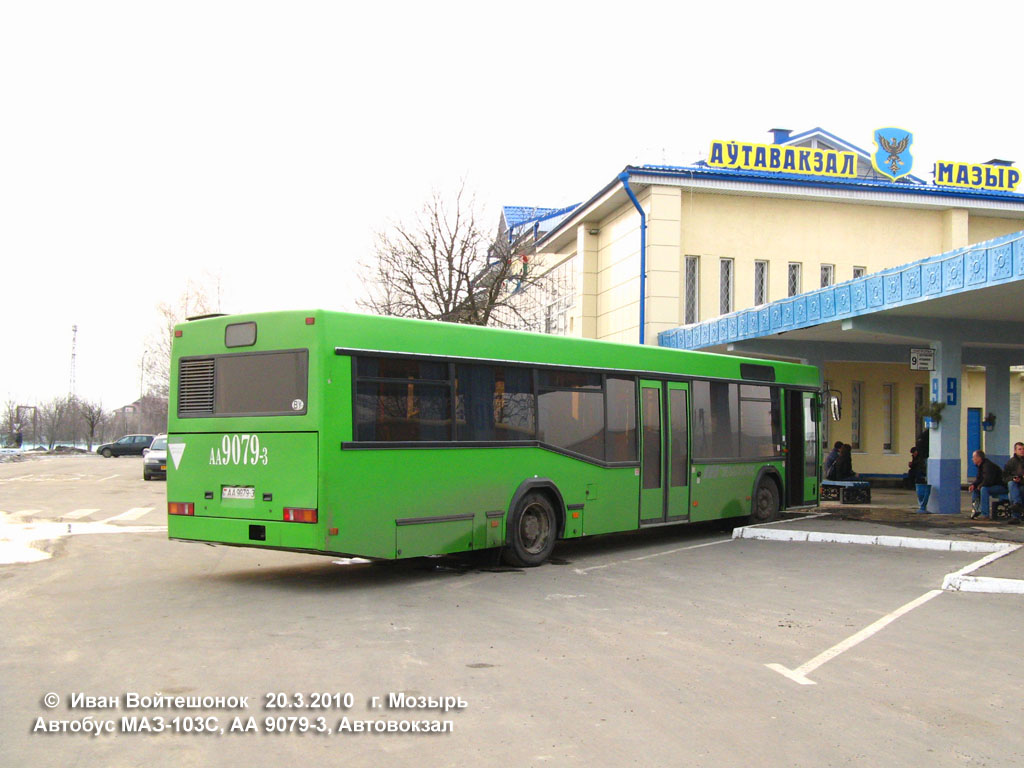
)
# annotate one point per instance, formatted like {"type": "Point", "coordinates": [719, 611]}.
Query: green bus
{"type": "Point", "coordinates": [381, 437]}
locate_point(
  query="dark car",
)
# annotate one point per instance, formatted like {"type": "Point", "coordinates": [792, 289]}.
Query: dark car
{"type": "Point", "coordinates": [154, 462]}
{"type": "Point", "coordinates": [129, 445]}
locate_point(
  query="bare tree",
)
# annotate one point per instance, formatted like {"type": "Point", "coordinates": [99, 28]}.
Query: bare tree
{"type": "Point", "coordinates": [54, 418]}
{"type": "Point", "coordinates": [198, 298]}
{"type": "Point", "coordinates": [153, 413]}
{"type": "Point", "coordinates": [442, 265]}
{"type": "Point", "coordinates": [8, 421]}
{"type": "Point", "coordinates": [92, 417]}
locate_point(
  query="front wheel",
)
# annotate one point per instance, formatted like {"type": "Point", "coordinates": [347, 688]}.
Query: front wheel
{"type": "Point", "coordinates": [532, 530]}
{"type": "Point", "coordinates": [766, 502]}
{"type": "Point", "coordinates": [107, 453]}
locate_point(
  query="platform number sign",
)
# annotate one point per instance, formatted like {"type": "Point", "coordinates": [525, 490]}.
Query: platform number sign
{"type": "Point", "coordinates": [951, 390]}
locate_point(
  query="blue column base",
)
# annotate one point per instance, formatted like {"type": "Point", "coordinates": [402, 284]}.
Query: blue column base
{"type": "Point", "coordinates": [944, 478]}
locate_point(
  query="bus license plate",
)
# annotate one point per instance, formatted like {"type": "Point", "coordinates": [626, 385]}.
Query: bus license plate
{"type": "Point", "coordinates": [236, 492]}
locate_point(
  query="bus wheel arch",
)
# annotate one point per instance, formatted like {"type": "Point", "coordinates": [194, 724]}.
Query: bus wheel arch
{"type": "Point", "coordinates": [766, 499]}
{"type": "Point", "coordinates": [535, 521]}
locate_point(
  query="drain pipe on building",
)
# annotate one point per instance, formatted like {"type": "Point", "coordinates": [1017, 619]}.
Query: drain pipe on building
{"type": "Point", "coordinates": [624, 178]}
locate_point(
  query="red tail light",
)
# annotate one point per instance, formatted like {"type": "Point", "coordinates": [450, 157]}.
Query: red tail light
{"type": "Point", "coordinates": [293, 515]}
{"type": "Point", "coordinates": [181, 508]}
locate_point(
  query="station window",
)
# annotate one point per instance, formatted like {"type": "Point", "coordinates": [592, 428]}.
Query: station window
{"type": "Point", "coordinates": [794, 281]}
{"type": "Point", "coordinates": [760, 283]}
{"type": "Point", "coordinates": [859, 272]}
{"type": "Point", "coordinates": [828, 275]}
{"type": "Point", "coordinates": [725, 286]}
{"type": "Point", "coordinates": [690, 310]}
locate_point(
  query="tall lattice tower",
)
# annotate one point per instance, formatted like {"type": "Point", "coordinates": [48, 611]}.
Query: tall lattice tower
{"type": "Point", "coordinates": [74, 340]}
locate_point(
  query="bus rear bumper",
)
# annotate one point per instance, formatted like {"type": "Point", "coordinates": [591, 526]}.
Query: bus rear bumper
{"type": "Point", "coordinates": [252, 533]}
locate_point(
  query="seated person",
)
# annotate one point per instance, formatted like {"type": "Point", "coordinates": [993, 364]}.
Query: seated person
{"type": "Point", "coordinates": [830, 461]}
{"type": "Point", "coordinates": [843, 467]}
{"type": "Point", "coordinates": [987, 483]}
{"type": "Point", "coordinates": [1013, 476]}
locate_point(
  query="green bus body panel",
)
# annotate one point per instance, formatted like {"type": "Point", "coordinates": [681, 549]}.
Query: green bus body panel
{"type": "Point", "coordinates": [477, 481]}
{"type": "Point", "coordinates": [410, 501]}
{"type": "Point", "coordinates": [286, 468]}
{"type": "Point", "coordinates": [725, 490]}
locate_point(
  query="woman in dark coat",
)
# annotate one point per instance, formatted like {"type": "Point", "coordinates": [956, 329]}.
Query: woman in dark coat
{"type": "Point", "coordinates": [844, 464]}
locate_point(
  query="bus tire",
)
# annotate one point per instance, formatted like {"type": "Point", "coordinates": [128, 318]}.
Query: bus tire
{"type": "Point", "coordinates": [766, 502]}
{"type": "Point", "coordinates": [532, 530]}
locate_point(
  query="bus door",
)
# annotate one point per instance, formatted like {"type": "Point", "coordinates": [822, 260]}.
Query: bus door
{"type": "Point", "coordinates": [802, 442]}
{"type": "Point", "coordinates": [664, 452]}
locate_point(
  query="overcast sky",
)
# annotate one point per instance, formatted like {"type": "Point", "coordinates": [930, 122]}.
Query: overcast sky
{"type": "Point", "coordinates": [145, 144]}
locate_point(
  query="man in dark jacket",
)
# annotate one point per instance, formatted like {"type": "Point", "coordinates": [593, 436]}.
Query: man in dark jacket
{"type": "Point", "coordinates": [830, 461]}
{"type": "Point", "coordinates": [1013, 476]}
{"type": "Point", "coordinates": [987, 483]}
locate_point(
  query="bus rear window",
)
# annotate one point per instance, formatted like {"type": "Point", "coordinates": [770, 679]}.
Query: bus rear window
{"type": "Point", "coordinates": [258, 384]}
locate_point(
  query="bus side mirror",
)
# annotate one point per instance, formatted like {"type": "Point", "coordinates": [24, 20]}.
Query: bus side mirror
{"type": "Point", "coordinates": [835, 404]}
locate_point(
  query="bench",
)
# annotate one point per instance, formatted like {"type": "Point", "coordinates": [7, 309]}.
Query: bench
{"type": "Point", "coordinates": [846, 491]}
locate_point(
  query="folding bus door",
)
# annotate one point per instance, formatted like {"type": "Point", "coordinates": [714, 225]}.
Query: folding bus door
{"type": "Point", "coordinates": [664, 452]}
{"type": "Point", "coordinates": [802, 456]}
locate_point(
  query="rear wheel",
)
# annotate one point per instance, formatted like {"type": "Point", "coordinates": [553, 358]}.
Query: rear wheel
{"type": "Point", "coordinates": [766, 502]}
{"type": "Point", "coordinates": [532, 530]}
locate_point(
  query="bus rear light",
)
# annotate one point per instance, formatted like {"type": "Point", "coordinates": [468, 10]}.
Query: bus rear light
{"type": "Point", "coordinates": [181, 508]}
{"type": "Point", "coordinates": [294, 515]}
{"type": "Point", "coordinates": [310, 320]}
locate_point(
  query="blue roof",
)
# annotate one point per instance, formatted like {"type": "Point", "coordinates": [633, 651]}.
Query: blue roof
{"type": "Point", "coordinates": [794, 179]}
{"type": "Point", "coordinates": [520, 214]}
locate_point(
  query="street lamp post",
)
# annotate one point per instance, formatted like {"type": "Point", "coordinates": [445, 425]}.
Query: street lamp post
{"type": "Point", "coordinates": [142, 379]}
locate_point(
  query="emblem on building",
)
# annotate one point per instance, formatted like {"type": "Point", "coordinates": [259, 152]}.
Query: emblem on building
{"type": "Point", "coordinates": [892, 157]}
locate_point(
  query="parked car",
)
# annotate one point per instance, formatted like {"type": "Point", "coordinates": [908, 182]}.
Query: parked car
{"type": "Point", "coordinates": [154, 460]}
{"type": "Point", "coordinates": [129, 445]}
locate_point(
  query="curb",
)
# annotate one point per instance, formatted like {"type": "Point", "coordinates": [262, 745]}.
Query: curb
{"type": "Point", "coordinates": [959, 581]}
{"type": "Point", "coordinates": [906, 542]}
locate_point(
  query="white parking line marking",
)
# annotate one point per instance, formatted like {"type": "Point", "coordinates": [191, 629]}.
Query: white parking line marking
{"type": "Point", "coordinates": [799, 675]}
{"type": "Point", "coordinates": [132, 514]}
{"type": "Point", "coordinates": [75, 514]}
{"type": "Point", "coordinates": [585, 571]}
{"type": "Point", "coordinates": [107, 478]}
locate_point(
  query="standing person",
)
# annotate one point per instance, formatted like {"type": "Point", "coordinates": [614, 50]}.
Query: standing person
{"type": "Point", "coordinates": [1013, 476]}
{"type": "Point", "coordinates": [923, 445]}
{"type": "Point", "coordinates": [915, 469]}
{"type": "Point", "coordinates": [830, 461]}
{"type": "Point", "coordinates": [988, 482]}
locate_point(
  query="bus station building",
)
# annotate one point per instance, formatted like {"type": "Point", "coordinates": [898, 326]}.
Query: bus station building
{"type": "Point", "coordinates": [807, 247]}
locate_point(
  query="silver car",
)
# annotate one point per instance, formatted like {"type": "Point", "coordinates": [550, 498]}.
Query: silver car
{"type": "Point", "coordinates": [154, 459]}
